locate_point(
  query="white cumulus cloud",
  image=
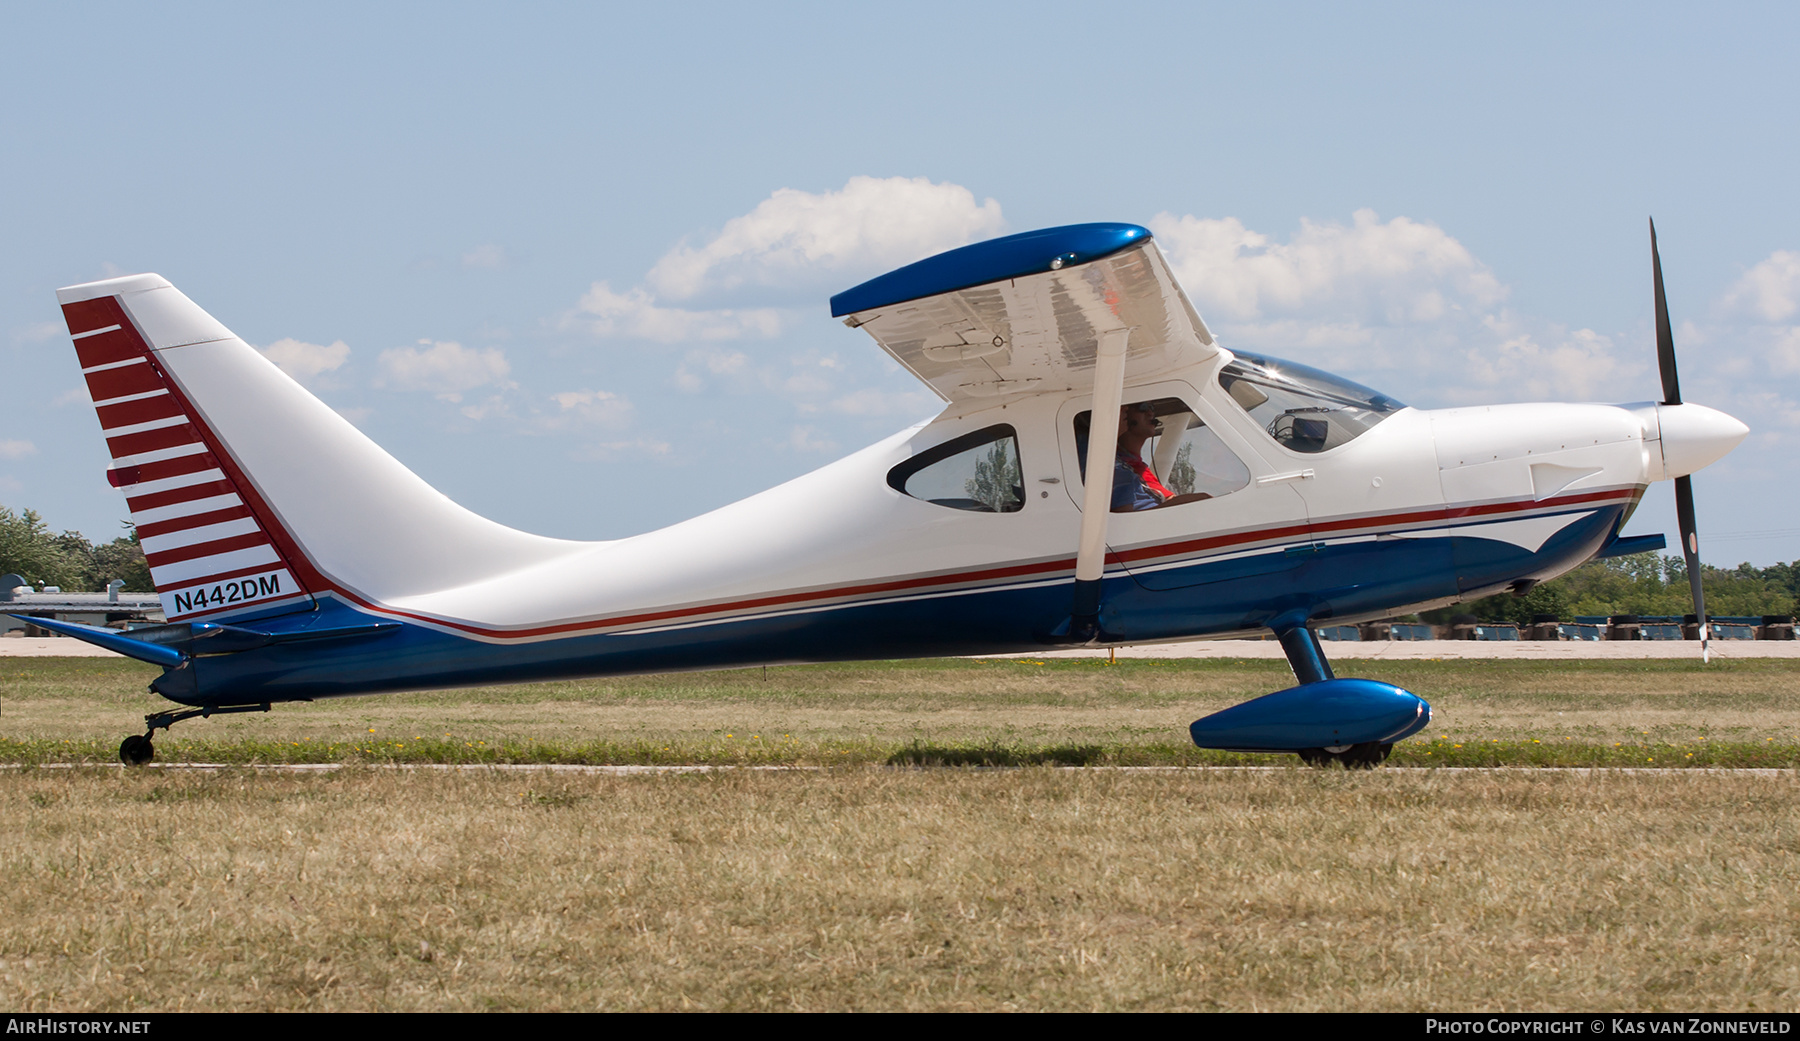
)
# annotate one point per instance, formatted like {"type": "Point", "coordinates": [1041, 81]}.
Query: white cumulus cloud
{"type": "Point", "coordinates": [809, 439]}
{"type": "Point", "coordinates": [712, 361]}
{"type": "Point", "coordinates": [444, 368]}
{"type": "Point", "coordinates": [16, 449]}
{"type": "Point", "coordinates": [1770, 290]}
{"type": "Point", "coordinates": [1582, 365]}
{"type": "Point", "coordinates": [636, 314]}
{"type": "Point", "coordinates": [792, 241]}
{"type": "Point", "coordinates": [1784, 353]}
{"type": "Point", "coordinates": [795, 237]}
{"type": "Point", "coordinates": [1395, 272]}
{"type": "Point", "coordinates": [305, 361]}
{"type": "Point", "coordinates": [601, 407]}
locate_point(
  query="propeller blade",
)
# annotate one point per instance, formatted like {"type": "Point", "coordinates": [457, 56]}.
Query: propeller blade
{"type": "Point", "coordinates": [1684, 486]}
{"type": "Point", "coordinates": [1690, 550]}
{"type": "Point", "coordinates": [1665, 335]}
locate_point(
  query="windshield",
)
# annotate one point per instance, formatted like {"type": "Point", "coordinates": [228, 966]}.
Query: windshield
{"type": "Point", "coordinates": [1304, 409]}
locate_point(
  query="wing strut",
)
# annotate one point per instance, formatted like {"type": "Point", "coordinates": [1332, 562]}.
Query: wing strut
{"type": "Point", "coordinates": [1096, 503]}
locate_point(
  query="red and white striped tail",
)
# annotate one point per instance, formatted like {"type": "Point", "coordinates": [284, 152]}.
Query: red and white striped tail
{"type": "Point", "coordinates": [210, 554]}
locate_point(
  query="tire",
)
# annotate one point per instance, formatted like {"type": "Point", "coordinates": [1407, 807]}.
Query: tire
{"type": "Point", "coordinates": [1366, 756]}
{"type": "Point", "coordinates": [136, 750]}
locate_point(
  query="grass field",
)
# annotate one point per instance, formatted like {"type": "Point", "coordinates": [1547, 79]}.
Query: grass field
{"type": "Point", "coordinates": [869, 888]}
{"type": "Point", "coordinates": [862, 886]}
{"type": "Point", "coordinates": [1642, 713]}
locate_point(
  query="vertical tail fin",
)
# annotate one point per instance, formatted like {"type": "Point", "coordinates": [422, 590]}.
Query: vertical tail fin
{"type": "Point", "coordinates": [208, 552]}
{"type": "Point", "coordinates": [250, 495]}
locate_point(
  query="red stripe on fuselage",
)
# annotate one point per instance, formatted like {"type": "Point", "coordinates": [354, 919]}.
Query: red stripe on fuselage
{"type": "Point", "coordinates": [1326, 529]}
{"type": "Point", "coordinates": [1041, 568]}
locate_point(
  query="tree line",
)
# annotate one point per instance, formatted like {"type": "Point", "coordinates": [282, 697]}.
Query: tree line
{"type": "Point", "coordinates": [1642, 584]}
{"type": "Point", "coordinates": [28, 547]}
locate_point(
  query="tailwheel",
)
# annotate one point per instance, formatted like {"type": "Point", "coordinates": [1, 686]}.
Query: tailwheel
{"type": "Point", "coordinates": [136, 750]}
{"type": "Point", "coordinates": [1366, 756]}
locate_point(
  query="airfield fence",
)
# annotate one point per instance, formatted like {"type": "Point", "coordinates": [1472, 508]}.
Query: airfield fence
{"type": "Point", "coordinates": [1584, 627]}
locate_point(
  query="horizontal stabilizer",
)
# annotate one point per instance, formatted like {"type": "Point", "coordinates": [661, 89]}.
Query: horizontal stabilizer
{"type": "Point", "coordinates": [210, 638]}
{"type": "Point", "coordinates": [171, 646]}
{"type": "Point", "coordinates": [1626, 545]}
{"type": "Point", "coordinates": [113, 640]}
{"type": "Point", "coordinates": [215, 638]}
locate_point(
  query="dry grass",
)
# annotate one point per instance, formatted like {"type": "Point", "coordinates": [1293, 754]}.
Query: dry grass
{"type": "Point", "coordinates": [892, 889]}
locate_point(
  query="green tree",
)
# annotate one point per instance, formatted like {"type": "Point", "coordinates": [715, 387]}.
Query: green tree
{"type": "Point", "coordinates": [1182, 474]}
{"type": "Point", "coordinates": [27, 548]}
{"type": "Point", "coordinates": [123, 558]}
{"type": "Point", "coordinates": [998, 483]}
{"type": "Point", "coordinates": [69, 560]}
{"type": "Point", "coordinates": [1642, 584]}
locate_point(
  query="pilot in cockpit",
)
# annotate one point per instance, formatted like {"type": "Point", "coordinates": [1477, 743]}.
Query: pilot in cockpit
{"type": "Point", "coordinates": [1135, 485]}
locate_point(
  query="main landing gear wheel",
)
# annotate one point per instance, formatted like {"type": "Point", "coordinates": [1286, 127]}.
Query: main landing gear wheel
{"type": "Point", "coordinates": [136, 750]}
{"type": "Point", "coordinates": [1366, 756]}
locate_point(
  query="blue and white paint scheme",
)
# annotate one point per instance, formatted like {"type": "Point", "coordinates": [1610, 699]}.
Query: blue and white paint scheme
{"type": "Point", "coordinates": [297, 560]}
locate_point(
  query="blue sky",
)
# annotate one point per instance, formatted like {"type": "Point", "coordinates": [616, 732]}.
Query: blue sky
{"type": "Point", "coordinates": [570, 263]}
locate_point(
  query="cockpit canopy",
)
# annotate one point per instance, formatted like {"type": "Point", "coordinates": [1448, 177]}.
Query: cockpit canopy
{"type": "Point", "coordinates": [1302, 408]}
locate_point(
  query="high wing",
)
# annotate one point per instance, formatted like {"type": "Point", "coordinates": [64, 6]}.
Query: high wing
{"type": "Point", "coordinates": [1024, 314]}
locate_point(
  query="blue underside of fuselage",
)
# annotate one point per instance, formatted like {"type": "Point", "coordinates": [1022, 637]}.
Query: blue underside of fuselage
{"type": "Point", "coordinates": [1359, 579]}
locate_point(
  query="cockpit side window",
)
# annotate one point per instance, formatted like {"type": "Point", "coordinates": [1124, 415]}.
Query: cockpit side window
{"type": "Point", "coordinates": [1302, 408]}
{"type": "Point", "coordinates": [1187, 458]}
{"type": "Point", "coordinates": [978, 471]}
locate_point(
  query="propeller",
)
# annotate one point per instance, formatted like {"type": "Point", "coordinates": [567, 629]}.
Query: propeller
{"type": "Point", "coordinates": [1684, 485]}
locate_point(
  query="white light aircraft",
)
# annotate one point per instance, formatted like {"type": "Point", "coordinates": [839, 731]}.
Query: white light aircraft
{"type": "Point", "coordinates": [296, 560]}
